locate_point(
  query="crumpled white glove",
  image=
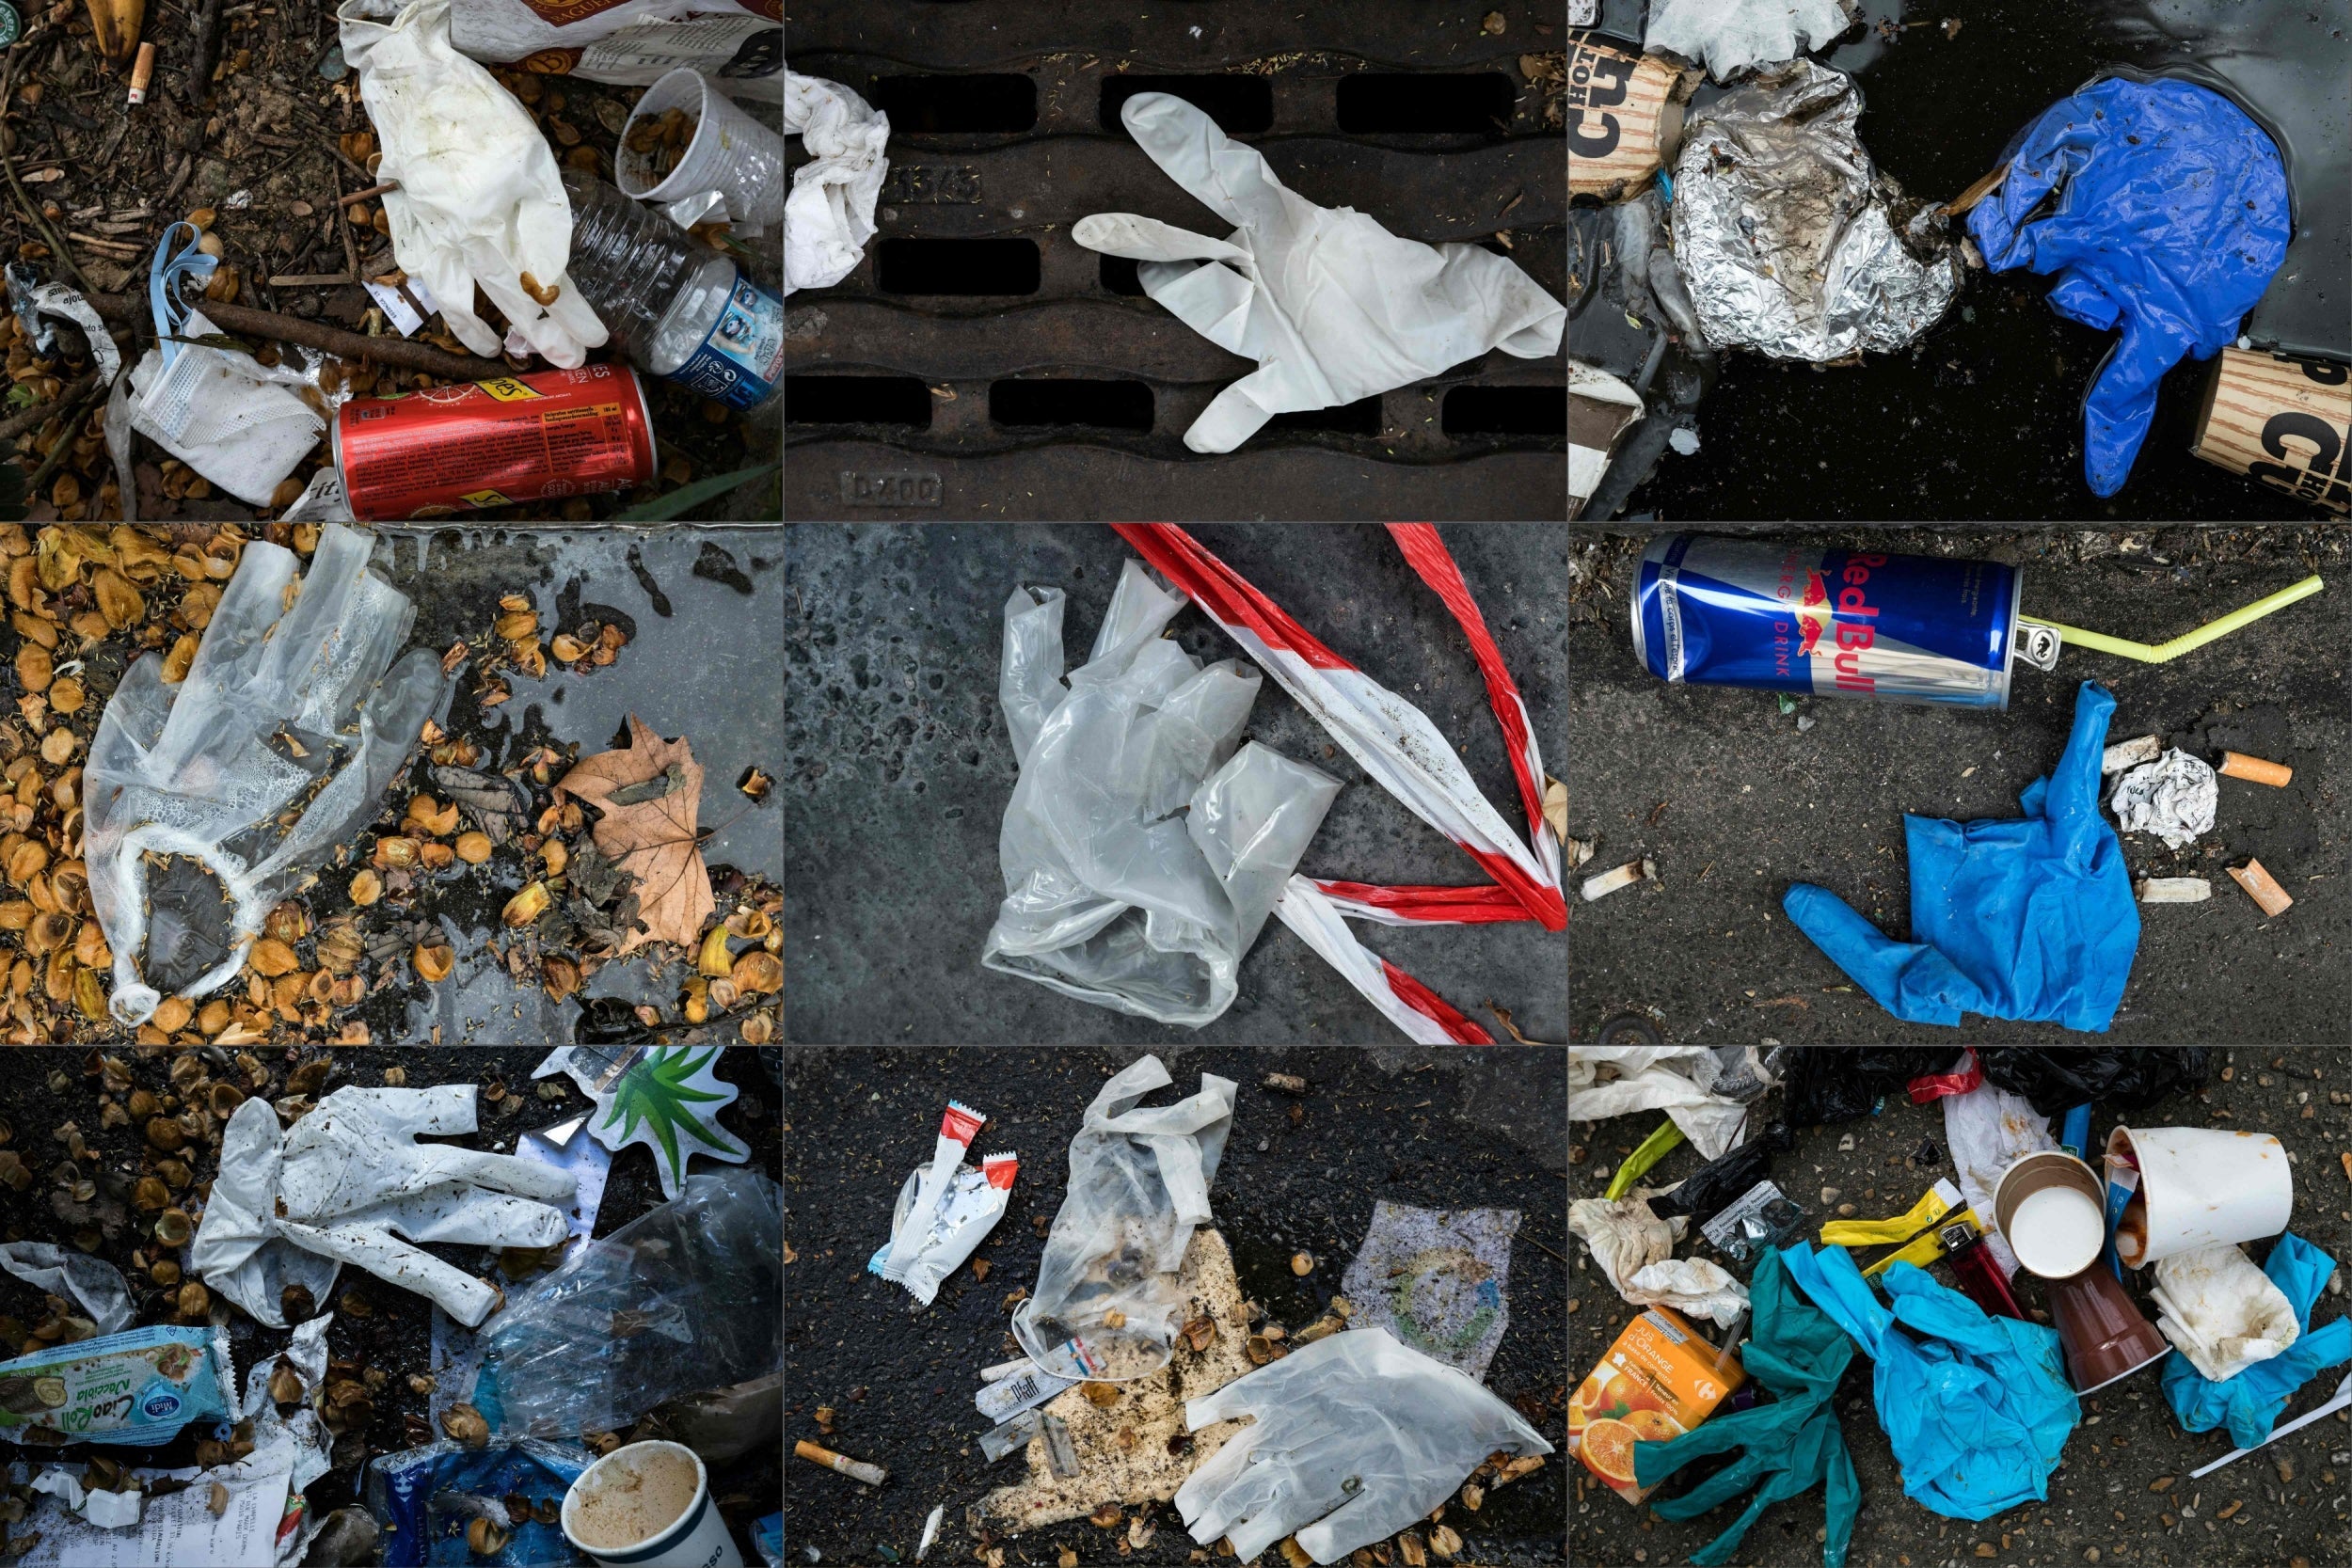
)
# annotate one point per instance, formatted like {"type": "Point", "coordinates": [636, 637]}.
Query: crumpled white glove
{"type": "Point", "coordinates": [829, 214]}
{"type": "Point", "coordinates": [1732, 35]}
{"type": "Point", "coordinates": [480, 200]}
{"type": "Point", "coordinates": [2221, 1311]}
{"type": "Point", "coordinates": [1356, 1431]}
{"type": "Point", "coordinates": [1635, 1249]}
{"type": "Point", "coordinates": [348, 1182]}
{"type": "Point", "coordinates": [1332, 306]}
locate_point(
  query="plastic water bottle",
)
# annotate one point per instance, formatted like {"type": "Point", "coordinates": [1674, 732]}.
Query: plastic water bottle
{"type": "Point", "coordinates": [673, 306]}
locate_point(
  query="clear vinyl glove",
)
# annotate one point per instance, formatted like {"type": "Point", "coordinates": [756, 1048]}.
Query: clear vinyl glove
{"type": "Point", "coordinates": [348, 1183]}
{"type": "Point", "coordinates": [480, 200]}
{"type": "Point", "coordinates": [1357, 1432]}
{"type": "Point", "coordinates": [1332, 306]}
{"type": "Point", "coordinates": [273, 749]}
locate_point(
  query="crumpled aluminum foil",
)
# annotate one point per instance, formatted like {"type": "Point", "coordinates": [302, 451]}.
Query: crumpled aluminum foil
{"type": "Point", "coordinates": [1789, 241]}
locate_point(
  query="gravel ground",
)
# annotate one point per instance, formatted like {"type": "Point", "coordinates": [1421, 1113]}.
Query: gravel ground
{"type": "Point", "coordinates": [1734, 801]}
{"type": "Point", "coordinates": [2283, 1508]}
{"type": "Point", "coordinates": [1460, 1128]}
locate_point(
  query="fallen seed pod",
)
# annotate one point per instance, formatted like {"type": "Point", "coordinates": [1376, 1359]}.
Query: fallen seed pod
{"type": "Point", "coordinates": [1302, 1263]}
{"type": "Point", "coordinates": [463, 1424]}
{"type": "Point", "coordinates": [485, 1538]}
{"type": "Point", "coordinates": [172, 1227]}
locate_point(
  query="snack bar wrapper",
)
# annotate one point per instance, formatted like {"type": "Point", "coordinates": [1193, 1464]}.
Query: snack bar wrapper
{"type": "Point", "coordinates": [137, 1387]}
{"type": "Point", "coordinates": [974, 1202]}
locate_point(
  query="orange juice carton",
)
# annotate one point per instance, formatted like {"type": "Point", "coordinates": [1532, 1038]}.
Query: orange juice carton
{"type": "Point", "coordinates": [1660, 1379]}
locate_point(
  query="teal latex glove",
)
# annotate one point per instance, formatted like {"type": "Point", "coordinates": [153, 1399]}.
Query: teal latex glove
{"type": "Point", "coordinates": [2249, 1403]}
{"type": "Point", "coordinates": [1790, 1445]}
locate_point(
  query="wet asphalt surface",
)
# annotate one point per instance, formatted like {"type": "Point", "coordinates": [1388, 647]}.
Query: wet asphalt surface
{"type": "Point", "coordinates": [396, 1334]}
{"type": "Point", "coordinates": [900, 769]}
{"type": "Point", "coordinates": [1429, 1127]}
{"type": "Point", "coordinates": [1735, 802]}
{"type": "Point", "coordinates": [2284, 1507]}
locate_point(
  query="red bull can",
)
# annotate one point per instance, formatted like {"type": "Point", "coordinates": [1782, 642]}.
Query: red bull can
{"type": "Point", "coordinates": [1892, 628]}
{"type": "Point", "coordinates": [450, 449]}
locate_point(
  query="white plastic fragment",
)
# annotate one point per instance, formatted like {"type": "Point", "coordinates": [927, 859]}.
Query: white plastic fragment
{"type": "Point", "coordinates": [93, 1282]}
{"type": "Point", "coordinates": [829, 214]}
{"type": "Point", "coordinates": [2129, 754]}
{"type": "Point", "coordinates": [2174, 889]}
{"type": "Point", "coordinates": [1732, 35]}
{"type": "Point", "coordinates": [2172, 797]}
{"type": "Point", "coordinates": [1684, 440]}
{"type": "Point", "coordinates": [2221, 1311]}
{"type": "Point", "coordinates": [1580, 850]}
{"type": "Point", "coordinates": [931, 1531]}
{"type": "Point", "coordinates": [1607, 882]}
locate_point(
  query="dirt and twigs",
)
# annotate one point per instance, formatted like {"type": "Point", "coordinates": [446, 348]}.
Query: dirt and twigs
{"type": "Point", "coordinates": [271, 155]}
{"type": "Point", "coordinates": [563, 864]}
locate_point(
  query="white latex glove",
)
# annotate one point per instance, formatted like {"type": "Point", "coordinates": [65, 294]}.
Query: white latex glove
{"type": "Point", "coordinates": [1732, 35]}
{"type": "Point", "coordinates": [480, 200]}
{"type": "Point", "coordinates": [2221, 1311]}
{"type": "Point", "coordinates": [1356, 1431]}
{"type": "Point", "coordinates": [348, 1182]}
{"type": "Point", "coordinates": [1332, 306]}
{"type": "Point", "coordinates": [829, 214]}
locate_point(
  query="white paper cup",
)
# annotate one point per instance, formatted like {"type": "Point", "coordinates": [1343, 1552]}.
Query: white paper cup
{"type": "Point", "coordinates": [624, 1487]}
{"type": "Point", "coordinates": [2198, 1187]}
{"type": "Point", "coordinates": [731, 153]}
{"type": "Point", "coordinates": [2047, 1206]}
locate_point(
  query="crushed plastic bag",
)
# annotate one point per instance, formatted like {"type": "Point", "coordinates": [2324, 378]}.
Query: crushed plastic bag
{"type": "Point", "coordinates": [1732, 36]}
{"type": "Point", "coordinates": [2117, 1078]}
{"type": "Point", "coordinates": [1331, 305]}
{"type": "Point", "coordinates": [1141, 853]}
{"type": "Point", "coordinates": [829, 214]}
{"type": "Point", "coordinates": [1829, 1083]}
{"type": "Point", "coordinates": [1404, 1428]}
{"type": "Point", "coordinates": [2220, 1311]}
{"type": "Point", "coordinates": [273, 749]}
{"type": "Point", "coordinates": [1108, 1302]}
{"type": "Point", "coordinates": [1676, 1079]}
{"type": "Point", "coordinates": [1718, 1184]}
{"type": "Point", "coordinates": [2249, 1403]}
{"type": "Point", "coordinates": [348, 1182]}
{"type": "Point", "coordinates": [98, 1286]}
{"type": "Point", "coordinates": [1989, 1130]}
{"type": "Point", "coordinates": [1791, 240]}
{"type": "Point", "coordinates": [703, 1277]}
{"type": "Point", "coordinates": [35, 302]}
{"type": "Point", "coordinates": [425, 1498]}
{"type": "Point", "coordinates": [2172, 797]}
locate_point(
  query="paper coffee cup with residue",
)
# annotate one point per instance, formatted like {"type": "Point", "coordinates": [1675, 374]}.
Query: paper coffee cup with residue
{"type": "Point", "coordinates": [1624, 118]}
{"type": "Point", "coordinates": [2282, 420]}
{"type": "Point", "coordinates": [2197, 1187]}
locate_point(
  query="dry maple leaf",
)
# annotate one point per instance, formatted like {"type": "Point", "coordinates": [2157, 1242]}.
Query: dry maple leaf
{"type": "Point", "coordinates": [651, 840]}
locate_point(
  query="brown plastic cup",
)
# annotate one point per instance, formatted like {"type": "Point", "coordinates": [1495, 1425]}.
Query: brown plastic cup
{"type": "Point", "coordinates": [2103, 1331]}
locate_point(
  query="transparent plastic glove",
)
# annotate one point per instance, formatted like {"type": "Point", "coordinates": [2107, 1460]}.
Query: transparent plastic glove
{"type": "Point", "coordinates": [226, 769]}
{"type": "Point", "coordinates": [2162, 209]}
{"type": "Point", "coordinates": [1108, 1302]}
{"type": "Point", "coordinates": [1786, 1448]}
{"type": "Point", "coordinates": [1732, 35]}
{"type": "Point", "coordinates": [2249, 1403]}
{"type": "Point", "coordinates": [829, 214]}
{"type": "Point", "coordinates": [1357, 1432]}
{"type": "Point", "coordinates": [481, 200]}
{"type": "Point", "coordinates": [1115, 893]}
{"type": "Point", "coordinates": [1330, 304]}
{"type": "Point", "coordinates": [348, 1183]}
{"type": "Point", "coordinates": [2029, 917]}
{"type": "Point", "coordinates": [2220, 1311]}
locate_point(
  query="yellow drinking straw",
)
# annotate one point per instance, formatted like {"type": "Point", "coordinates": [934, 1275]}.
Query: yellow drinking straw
{"type": "Point", "coordinates": [2163, 653]}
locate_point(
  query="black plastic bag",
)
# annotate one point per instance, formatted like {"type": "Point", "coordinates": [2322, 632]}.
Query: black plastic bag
{"type": "Point", "coordinates": [1829, 1083]}
{"type": "Point", "coordinates": [2117, 1078]}
{"type": "Point", "coordinates": [1718, 1184]}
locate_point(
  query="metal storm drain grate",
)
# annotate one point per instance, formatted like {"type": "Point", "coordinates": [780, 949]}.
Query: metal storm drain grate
{"type": "Point", "coordinates": [980, 362]}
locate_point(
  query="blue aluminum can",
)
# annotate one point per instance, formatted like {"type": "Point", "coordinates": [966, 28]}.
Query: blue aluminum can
{"type": "Point", "coordinates": [1795, 617]}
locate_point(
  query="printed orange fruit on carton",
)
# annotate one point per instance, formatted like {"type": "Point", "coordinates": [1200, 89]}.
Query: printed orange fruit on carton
{"type": "Point", "coordinates": [1659, 1380]}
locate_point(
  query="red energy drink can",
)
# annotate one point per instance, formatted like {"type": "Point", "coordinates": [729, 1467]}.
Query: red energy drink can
{"type": "Point", "coordinates": [447, 449]}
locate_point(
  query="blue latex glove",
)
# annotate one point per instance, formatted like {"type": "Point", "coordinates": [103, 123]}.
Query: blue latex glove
{"type": "Point", "coordinates": [1977, 1408]}
{"type": "Point", "coordinates": [1790, 1445]}
{"type": "Point", "coordinates": [2249, 1403]}
{"type": "Point", "coordinates": [2170, 217]}
{"type": "Point", "coordinates": [2026, 918]}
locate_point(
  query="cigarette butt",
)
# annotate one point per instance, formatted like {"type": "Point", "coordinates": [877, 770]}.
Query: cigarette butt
{"type": "Point", "coordinates": [1642, 870]}
{"type": "Point", "coordinates": [2237, 765]}
{"type": "Point", "coordinates": [2174, 889]}
{"type": "Point", "coordinates": [2128, 754]}
{"type": "Point", "coordinates": [872, 1475]}
{"type": "Point", "coordinates": [2262, 887]}
{"type": "Point", "coordinates": [142, 71]}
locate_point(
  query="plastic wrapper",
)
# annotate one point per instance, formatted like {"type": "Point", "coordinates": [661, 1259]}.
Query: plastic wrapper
{"type": "Point", "coordinates": [275, 749]}
{"type": "Point", "coordinates": [138, 1387]}
{"type": "Point", "coordinates": [1108, 1302]}
{"type": "Point", "coordinates": [1116, 892]}
{"type": "Point", "coordinates": [1716, 1186]}
{"type": "Point", "coordinates": [697, 1283]}
{"type": "Point", "coordinates": [1731, 35]}
{"type": "Point", "coordinates": [94, 1283]}
{"type": "Point", "coordinates": [1756, 1222]}
{"type": "Point", "coordinates": [1789, 239]}
{"type": "Point", "coordinates": [1404, 1428]}
{"type": "Point", "coordinates": [2172, 797]}
{"type": "Point", "coordinates": [735, 42]}
{"type": "Point", "coordinates": [2220, 1311]}
{"type": "Point", "coordinates": [1676, 1079]}
{"type": "Point", "coordinates": [351, 1185]}
{"type": "Point", "coordinates": [952, 1226]}
{"type": "Point", "coordinates": [1832, 1083]}
{"type": "Point", "coordinates": [2116, 1078]}
{"type": "Point", "coordinates": [426, 1497]}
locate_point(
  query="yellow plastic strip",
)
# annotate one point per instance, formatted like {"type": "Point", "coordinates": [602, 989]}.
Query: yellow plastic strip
{"type": "Point", "coordinates": [1925, 1213]}
{"type": "Point", "coordinates": [1653, 1149]}
{"type": "Point", "coordinates": [1927, 1249]}
{"type": "Point", "coordinates": [2163, 653]}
